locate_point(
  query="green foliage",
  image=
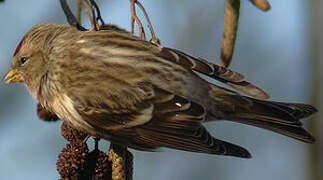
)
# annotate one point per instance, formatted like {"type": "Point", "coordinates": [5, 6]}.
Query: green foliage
{"type": "Point", "coordinates": [1, 1]}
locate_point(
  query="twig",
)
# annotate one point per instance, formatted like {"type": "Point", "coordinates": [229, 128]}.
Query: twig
{"type": "Point", "coordinates": [71, 19]}
{"type": "Point", "coordinates": [95, 15]}
{"type": "Point", "coordinates": [94, 22]}
{"type": "Point", "coordinates": [98, 12]}
{"type": "Point", "coordinates": [132, 21]}
{"type": "Point", "coordinates": [79, 10]}
{"type": "Point", "coordinates": [134, 18]}
{"type": "Point", "coordinates": [89, 16]}
{"type": "Point", "coordinates": [261, 4]}
{"type": "Point", "coordinates": [154, 39]}
{"type": "Point", "coordinates": [231, 20]}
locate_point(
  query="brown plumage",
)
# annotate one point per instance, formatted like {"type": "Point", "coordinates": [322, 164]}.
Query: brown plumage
{"type": "Point", "coordinates": [115, 86]}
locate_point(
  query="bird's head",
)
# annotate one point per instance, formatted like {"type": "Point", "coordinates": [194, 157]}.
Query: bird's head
{"type": "Point", "coordinates": [30, 59]}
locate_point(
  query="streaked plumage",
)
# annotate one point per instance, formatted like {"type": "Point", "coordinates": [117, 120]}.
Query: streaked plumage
{"type": "Point", "coordinates": [113, 85]}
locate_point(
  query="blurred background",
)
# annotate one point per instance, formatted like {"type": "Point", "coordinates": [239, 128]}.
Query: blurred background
{"type": "Point", "coordinates": [280, 50]}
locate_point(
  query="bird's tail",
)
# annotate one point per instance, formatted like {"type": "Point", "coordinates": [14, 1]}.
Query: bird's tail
{"type": "Point", "coordinates": [280, 117]}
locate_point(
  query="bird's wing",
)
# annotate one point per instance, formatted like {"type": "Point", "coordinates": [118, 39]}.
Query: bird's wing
{"type": "Point", "coordinates": [142, 116]}
{"type": "Point", "coordinates": [222, 74]}
{"type": "Point", "coordinates": [112, 109]}
{"type": "Point", "coordinates": [161, 120]}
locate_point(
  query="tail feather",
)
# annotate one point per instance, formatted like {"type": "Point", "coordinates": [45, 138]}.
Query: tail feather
{"type": "Point", "coordinates": [296, 132]}
{"type": "Point", "coordinates": [298, 110]}
{"type": "Point", "coordinates": [280, 117]}
{"type": "Point", "coordinates": [200, 141]}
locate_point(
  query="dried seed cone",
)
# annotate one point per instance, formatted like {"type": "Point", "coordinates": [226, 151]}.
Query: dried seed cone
{"type": "Point", "coordinates": [122, 163]}
{"type": "Point", "coordinates": [118, 165]}
{"type": "Point", "coordinates": [262, 4]}
{"type": "Point", "coordinates": [71, 162]}
{"type": "Point", "coordinates": [72, 135]}
{"type": "Point", "coordinates": [129, 165]}
{"type": "Point", "coordinates": [103, 167]}
{"type": "Point", "coordinates": [44, 114]}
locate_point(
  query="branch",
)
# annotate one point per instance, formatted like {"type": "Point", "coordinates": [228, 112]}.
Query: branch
{"type": "Point", "coordinates": [79, 10]}
{"type": "Point", "coordinates": [134, 18]}
{"type": "Point", "coordinates": [71, 19]}
{"type": "Point", "coordinates": [92, 17]}
{"type": "Point", "coordinates": [231, 20]}
{"type": "Point", "coordinates": [95, 15]}
{"type": "Point", "coordinates": [154, 38]}
{"type": "Point", "coordinates": [98, 12]}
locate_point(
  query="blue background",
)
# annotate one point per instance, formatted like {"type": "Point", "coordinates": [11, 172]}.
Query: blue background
{"type": "Point", "coordinates": [273, 50]}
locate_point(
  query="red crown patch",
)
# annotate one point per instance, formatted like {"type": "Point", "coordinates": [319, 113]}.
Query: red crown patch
{"type": "Point", "coordinates": [19, 46]}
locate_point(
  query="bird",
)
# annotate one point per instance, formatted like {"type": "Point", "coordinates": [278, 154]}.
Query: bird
{"type": "Point", "coordinates": [142, 95]}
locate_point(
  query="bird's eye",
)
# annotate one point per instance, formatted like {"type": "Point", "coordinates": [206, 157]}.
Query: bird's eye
{"type": "Point", "coordinates": [23, 60]}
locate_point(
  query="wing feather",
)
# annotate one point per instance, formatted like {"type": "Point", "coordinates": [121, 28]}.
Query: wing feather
{"type": "Point", "coordinates": [222, 74]}
{"type": "Point", "coordinates": [165, 120]}
{"type": "Point", "coordinates": [176, 123]}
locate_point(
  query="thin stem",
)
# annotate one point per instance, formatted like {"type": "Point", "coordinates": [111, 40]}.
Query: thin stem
{"type": "Point", "coordinates": [93, 16]}
{"type": "Point", "coordinates": [98, 12]}
{"type": "Point", "coordinates": [89, 16]}
{"type": "Point", "coordinates": [153, 36]}
{"type": "Point", "coordinates": [79, 10]}
{"type": "Point", "coordinates": [133, 12]}
{"type": "Point", "coordinates": [71, 19]}
{"type": "Point", "coordinates": [96, 146]}
{"type": "Point", "coordinates": [134, 18]}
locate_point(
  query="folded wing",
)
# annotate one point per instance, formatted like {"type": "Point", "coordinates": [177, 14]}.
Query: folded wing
{"type": "Point", "coordinates": [224, 75]}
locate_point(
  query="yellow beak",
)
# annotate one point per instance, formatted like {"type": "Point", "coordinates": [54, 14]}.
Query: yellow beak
{"type": "Point", "coordinates": [12, 76]}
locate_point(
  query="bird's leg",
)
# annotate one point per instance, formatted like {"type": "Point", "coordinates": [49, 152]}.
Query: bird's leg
{"type": "Point", "coordinates": [134, 18]}
{"type": "Point", "coordinates": [122, 161]}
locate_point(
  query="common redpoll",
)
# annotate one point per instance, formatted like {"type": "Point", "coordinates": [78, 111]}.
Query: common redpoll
{"type": "Point", "coordinates": [112, 85]}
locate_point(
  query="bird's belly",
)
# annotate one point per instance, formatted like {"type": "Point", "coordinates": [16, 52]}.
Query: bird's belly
{"type": "Point", "coordinates": [63, 107]}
